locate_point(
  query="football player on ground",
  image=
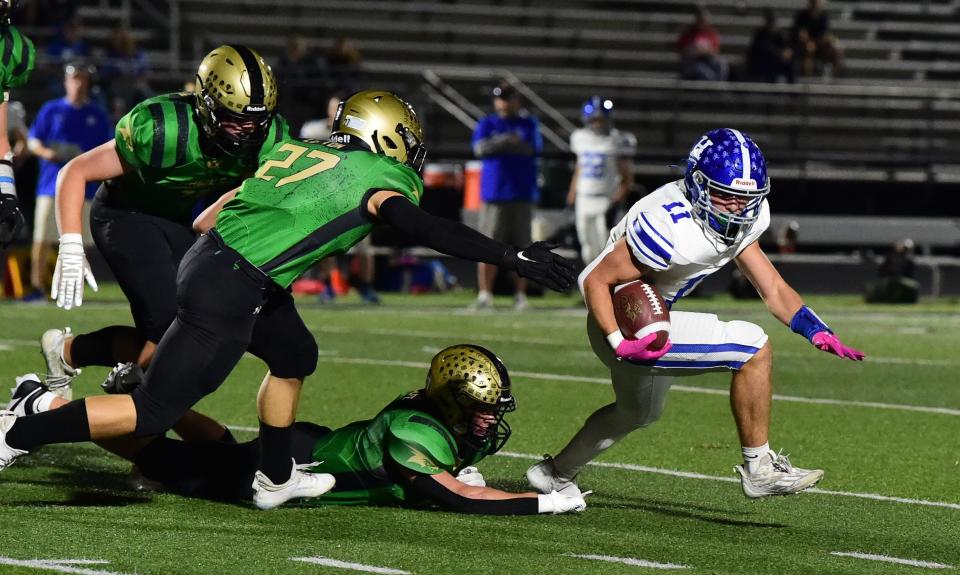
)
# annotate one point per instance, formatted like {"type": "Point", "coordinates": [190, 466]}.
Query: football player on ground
{"type": "Point", "coordinates": [677, 236]}
{"type": "Point", "coordinates": [309, 200]}
{"type": "Point", "coordinates": [170, 152]}
{"type": "Point", "coordinates": [603, 175]}
{"type": "Point", "coordinates": [423, 446]}
{"type": "Point", "coordinates": [17, 61]}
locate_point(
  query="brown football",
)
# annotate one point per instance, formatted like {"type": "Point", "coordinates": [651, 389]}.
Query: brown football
{"type": "Point", "coordinates": [641, 311]}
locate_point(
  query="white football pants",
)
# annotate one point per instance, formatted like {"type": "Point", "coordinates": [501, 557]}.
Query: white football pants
{"type": "Point", "coordinates": [701, 343]}
{"type": "Point", "coordinates": [592, 231]}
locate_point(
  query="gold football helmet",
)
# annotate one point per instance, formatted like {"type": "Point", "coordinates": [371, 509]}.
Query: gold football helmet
{"type": "Point", "coordinates": [236, 98]}
{"type": "Point", "coordinates": [385, 123]}
{"type": "Point", "coordinates": [464, 380]}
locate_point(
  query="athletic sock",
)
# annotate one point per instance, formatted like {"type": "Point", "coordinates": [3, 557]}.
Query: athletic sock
{"type": "Point", "coordinates": [65, 425]}
{"type": "Point", "coordinates": [484, 296]}
{"type": "Point", "coordinates": [107, 347]}
{"type": "Point", "coordinates": [753, 455]}
{"type": "Point", "coordinates": [275, 458]}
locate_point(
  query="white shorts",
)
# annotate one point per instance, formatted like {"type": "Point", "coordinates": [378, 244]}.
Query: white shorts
{"type": "Point", "coordinates": [701, 343]}
{"type": "Point", "coordinates": [45, 222]}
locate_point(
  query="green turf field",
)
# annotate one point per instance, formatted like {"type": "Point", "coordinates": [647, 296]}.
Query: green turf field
{"type": "Point", "coordinates": [885, 432]}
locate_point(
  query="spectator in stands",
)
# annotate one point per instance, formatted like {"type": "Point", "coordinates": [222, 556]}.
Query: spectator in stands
{"type": "Point", "coordinates": [123, 74]}
{"type": "Point", "coordinates": [897, 282]}
{"type": "Point", "coordinates": [770, 56]}
{"type": "Point", "coordinates": [813, 41]}
{"type": "Point", "coordinates": [64, 128]}
{"type": "Point", "coordinates": [508, 142]}
{"type": "Point", "coordinates": [299, 75]}
{"type": "Point", "coordinates": [699, 49]}
{"type": "Point", "coordinates": [344, 64]}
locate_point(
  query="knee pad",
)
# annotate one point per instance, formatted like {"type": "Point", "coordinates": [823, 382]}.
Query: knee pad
{"type": "Point", "coordinates": [153, 417]}
{"type": "Point", "coordinates": [296, 363]}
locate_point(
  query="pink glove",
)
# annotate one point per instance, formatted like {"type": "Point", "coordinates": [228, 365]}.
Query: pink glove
{"type": "Point", "coordinates": [826, 341]}
{"type": "Point", "coordinates": [636, 349]}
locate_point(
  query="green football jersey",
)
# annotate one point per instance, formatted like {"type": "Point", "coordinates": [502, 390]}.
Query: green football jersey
{"type": "Point", "coordinates": [308, 201]}
{"type": "Point", "coordinates": [404, 433]}
{"type": "Point", "coordinates": [18, 58]}
{"type": "Point", "coordinates": [160, 139]}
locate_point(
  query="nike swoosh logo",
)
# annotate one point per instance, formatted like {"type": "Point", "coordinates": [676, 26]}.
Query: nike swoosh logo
{"type": "Point", "coordinates": [525, 258]}
{"type": "Point", "coordinates": [750, 456]}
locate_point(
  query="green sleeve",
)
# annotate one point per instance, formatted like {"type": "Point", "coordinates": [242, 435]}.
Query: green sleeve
{"type": "Point", "coordinates": [401, 179]}
{"type": "Point", "coordinates": [135, 135]}
{"type": "Point", "coordinates": [19, 58]}
{"type": "Point", "coordinates": [420, 444]}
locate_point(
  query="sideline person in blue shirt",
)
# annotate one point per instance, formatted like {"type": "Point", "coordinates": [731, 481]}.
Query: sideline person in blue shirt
{"type": "Point", "coordinates": [508, 142]}
{"type": "Point", "coordinates": [64, 128]}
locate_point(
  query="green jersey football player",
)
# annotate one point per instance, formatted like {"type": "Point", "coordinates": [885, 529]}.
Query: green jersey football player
{"type": "Point", "coordinates": [17, 61]}
{"type": "Point", "coordinates": [307, 201]}
{"type": "Point", "coordinates": [169, 153]}
{"type": "Point", "coordinates": [421, 448]}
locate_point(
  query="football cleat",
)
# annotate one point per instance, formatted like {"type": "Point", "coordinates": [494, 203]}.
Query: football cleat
{"type": "Point", "coordinates": [59, 374]}
{"type": "Point", "coordinates": [545, 478]}
{"type": "Point", "coordinates": [775, 475]}
{"type": "Point", "coordinates": [7, 454]}
{"type": "Point", "coordinates": [267, 495]}
{"type": "Point", "coordinates": [123, 378]}
{"type": "Point", "coordinates": [25, 394]}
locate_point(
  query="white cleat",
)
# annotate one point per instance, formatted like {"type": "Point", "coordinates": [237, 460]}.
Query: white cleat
{"type": "Point", "coordinates": [545, 478]}
{"type": "Point", "coordinates": [266, 495]}
{"type": "Point", "coordinates": [25, 395]}
{"type": "Point", "coordinates": [59, 374]}
{"type": "Point", "coordinates": [775, 475]}
{"type": "Point", "coordinates": [7, 454]}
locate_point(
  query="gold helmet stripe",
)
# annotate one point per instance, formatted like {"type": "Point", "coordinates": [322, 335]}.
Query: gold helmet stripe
{"type": "Point", "coordinates": [252, 64]}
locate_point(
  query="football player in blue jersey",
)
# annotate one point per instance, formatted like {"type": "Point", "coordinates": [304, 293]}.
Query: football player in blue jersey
{"type": "Point", "coordinates": [677, 236]}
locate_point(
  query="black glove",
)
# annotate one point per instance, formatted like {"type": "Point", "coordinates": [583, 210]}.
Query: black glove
{"type": "Point", "coordinates": [11, 220]}
{"type": "Point", "coordinates": [538, 263]}
{"type": "Point", "coordinates": [123, 378]}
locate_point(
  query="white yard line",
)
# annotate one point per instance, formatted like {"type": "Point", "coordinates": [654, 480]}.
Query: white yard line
{"type": "Point", "coordinates": [327, 562]}
{"type": "Point", "coordinates": [691, 475]}
{"type": "Point", "coordinates": [680, 388]}
{"type": "Point", "coordinates": [630, 561]}
{"type": "Point", "coordinates": [60, 565]}
{"type": "Point", "coordinates": [886, 559]}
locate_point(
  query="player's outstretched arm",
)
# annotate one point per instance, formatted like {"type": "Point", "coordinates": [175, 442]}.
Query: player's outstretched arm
{"type": "Point", "coordinates": [444, 489]}
{"type": "Point", "coordinates": [536, 262]}
{"type": "Point", "coordinates": [99, 164]}
{"type": "Point", "coordinates": [786, 304]}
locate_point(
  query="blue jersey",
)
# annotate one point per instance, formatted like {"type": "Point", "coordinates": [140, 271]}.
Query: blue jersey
{"type": "Point", "coordinates": [509, 176]}
{"type": "Point", "coordinates": [59, 123]}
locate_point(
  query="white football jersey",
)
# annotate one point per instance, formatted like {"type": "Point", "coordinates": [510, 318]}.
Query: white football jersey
{"type": "Point", "coordinates": [597, 156]}
{"type": "Point", "coordinates": [663, 233]}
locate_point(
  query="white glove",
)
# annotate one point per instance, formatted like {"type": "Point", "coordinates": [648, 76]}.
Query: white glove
{"type": "Point", "coordinates": [556, 502]}
{"type": "Point", "coordinates": [72, 269]}
{"type": "Point", "coordinates": [471, 476]}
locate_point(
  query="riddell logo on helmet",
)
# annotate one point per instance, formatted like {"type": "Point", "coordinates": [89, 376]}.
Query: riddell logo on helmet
{"type": "Point", "coordinates": [745, 184]}
{"type": "Point", "coordinates": [256, 108]}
